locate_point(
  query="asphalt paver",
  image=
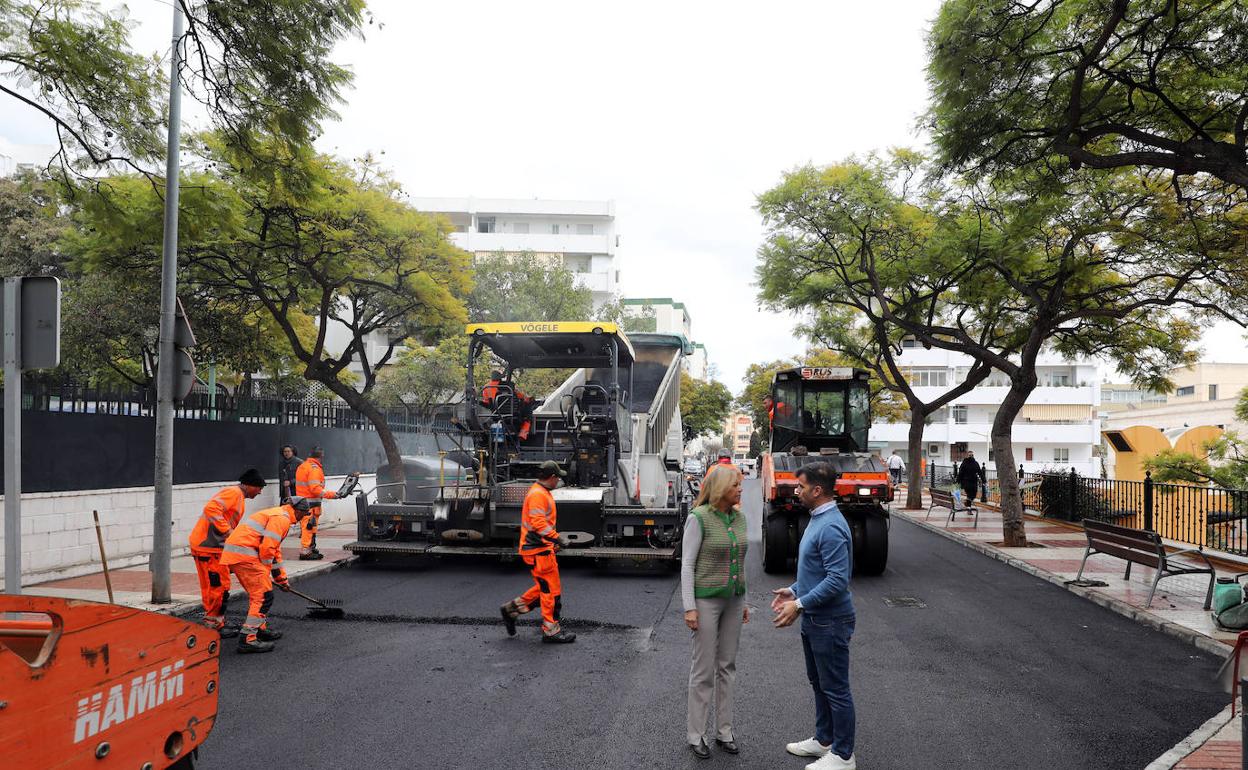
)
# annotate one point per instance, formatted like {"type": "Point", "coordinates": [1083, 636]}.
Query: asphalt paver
{"type": "Point", "coordinates": [958, 661]}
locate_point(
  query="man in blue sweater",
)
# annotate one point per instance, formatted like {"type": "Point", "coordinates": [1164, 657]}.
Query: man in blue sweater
{"type": "Point", "coordinates": [821, 597]}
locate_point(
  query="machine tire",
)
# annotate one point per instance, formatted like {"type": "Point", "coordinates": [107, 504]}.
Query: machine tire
{"type": "Point", "coordinates": [775, 543]}
{"type": "Point", "coordinates": [875, 546]}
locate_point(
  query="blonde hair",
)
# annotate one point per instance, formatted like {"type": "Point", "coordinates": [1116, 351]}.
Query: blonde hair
{"type": "Point", "coordinates": [716, 485]}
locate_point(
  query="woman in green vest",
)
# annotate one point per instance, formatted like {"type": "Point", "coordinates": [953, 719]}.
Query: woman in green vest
{"type": "Point", "coordinates": [712, 587]}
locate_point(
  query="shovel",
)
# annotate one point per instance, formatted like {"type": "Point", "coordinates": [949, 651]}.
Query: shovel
{"type": "Point", "coordinates": [322, 610]}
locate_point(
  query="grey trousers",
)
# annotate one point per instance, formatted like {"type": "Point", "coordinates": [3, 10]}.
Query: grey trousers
{"type": "Point", "coordinates": [714, 665]}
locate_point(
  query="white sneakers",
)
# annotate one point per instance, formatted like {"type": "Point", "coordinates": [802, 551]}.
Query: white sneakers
{"type": "Point", "coordinates": [811, 747]}
{"type": "Point", "coordinates": [831, 761]}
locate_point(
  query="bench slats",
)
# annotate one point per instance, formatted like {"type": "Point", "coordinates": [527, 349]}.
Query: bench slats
{"type": "Point", "coordinates": [1139, 557]}
{"type": "Point", "coordinates": [1126, 541]}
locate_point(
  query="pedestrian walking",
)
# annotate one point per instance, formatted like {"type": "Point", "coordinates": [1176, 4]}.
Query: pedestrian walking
{"type": "Point", "coordinates": [895, 466]}
{"type": "Point", "coordinates": [822, 599]}
{"type": "Point", "coordinates": [221, 515]}
{"type": "Point", "coordinates": [712, 588]}
{"type": "Point", "coordinates": [287, 467]}
{"type": "Point", "coordinates": [971, 476]}
{"type": "Point", "coordinates": [539, 540]}
{"type": "Point", "coordinates": [310, 485]}
{"type": "Point", "coordinates": [253, 552]}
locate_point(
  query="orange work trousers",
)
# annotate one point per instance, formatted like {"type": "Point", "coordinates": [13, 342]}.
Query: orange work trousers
{"type": "Point", "coordinates": [257, 580]}
{"type": "Point", "coordinates": [214, 586]}
{"type": "Point", "coordinates": [307, 537]}
{"type": "Point", "coordinates": [546, 589]}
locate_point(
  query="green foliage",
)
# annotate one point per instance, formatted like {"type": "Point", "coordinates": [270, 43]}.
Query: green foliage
{"type": "Point", "coordinates": [424, 377]}
{"type": "Point", "coordinates": [1106, 83]}
{"type": "Point", "coordinates": [259, 68]}
{"type": "Point", "coordinates": [1223, 462]}
{"type": "Point", "coordinates": [526, 287]}
{"type": "Point", "coordinates": [703, 405]}
{"type": "Point", "coordinates": [31, 227]}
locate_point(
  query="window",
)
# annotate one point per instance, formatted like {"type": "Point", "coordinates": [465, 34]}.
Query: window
{"type": "Point", "coordinates": [1213, 392]}
{"type": "Point", "coordinates": [1060, 380]}
{"type": "Point", "coordinates": [910, 342]}
{"type": "Point", "coordinates": [1061, 454]}
{"type": "Point", "coordinates": [1189, 390]}
{"type": "Point", "coordinates": [929, 378]}
{"type": "Point", "coordinates": [584, 229]}
{"type": "Point", "coordinates": [1028, 454]}
{"type": "Point", "coordinates": [520, 228]}
{"type": "Point", "coordinates": [960, 415]}
{"type": "Point", "coordinates": [485, 224]}
{"type": "Point", "coordinates": [991, 454]}
{"type": "Point", "coordinates": [554, 229]}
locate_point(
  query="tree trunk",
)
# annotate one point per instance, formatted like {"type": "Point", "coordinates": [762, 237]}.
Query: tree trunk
{"type": "Point", "coordinates": [1013, 530]}
{"type": "Point", "coordinates": [914, 469]}
{"type": "Point", "coordinates": [362, 404]}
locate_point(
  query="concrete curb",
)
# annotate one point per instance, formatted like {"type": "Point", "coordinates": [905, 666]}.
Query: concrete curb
{"type": "Point", "coordinates": [1191, 743]}
{"type": "Point", "coordinates": [182, 609]}
{"type": "Point", "coordinates": [1194, 638]}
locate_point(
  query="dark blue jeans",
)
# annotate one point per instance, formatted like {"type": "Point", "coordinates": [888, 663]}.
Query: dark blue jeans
{"type": "Point", "coordinates": [826, 644]}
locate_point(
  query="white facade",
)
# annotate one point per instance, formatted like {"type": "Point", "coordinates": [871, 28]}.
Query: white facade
{"type": "Point", "coordinates": [581, 234]}
{"type": "Point", "coordinates": [1059, 427]}
{"type": "Point", "coordinates": [696, 363]}
{"type": "Point", "coordinates": [23, 157]}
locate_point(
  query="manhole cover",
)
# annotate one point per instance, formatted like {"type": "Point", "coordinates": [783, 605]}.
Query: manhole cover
{"type": "Point", "coordinates": [904, 601]}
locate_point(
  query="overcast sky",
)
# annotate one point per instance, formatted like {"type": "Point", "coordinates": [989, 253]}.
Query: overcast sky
{"type": "Point", "coordinates": [681, 112]}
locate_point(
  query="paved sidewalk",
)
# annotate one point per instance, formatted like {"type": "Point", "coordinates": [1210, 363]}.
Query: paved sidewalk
{"type": "Point", "coordinates": [132, 586]}
{"type": "Point", "coordinates": [1178, 607]}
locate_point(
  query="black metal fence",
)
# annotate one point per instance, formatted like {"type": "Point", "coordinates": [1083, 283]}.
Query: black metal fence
{"type": "Point", "coordinates": [141, 402]}
{"type": "Point", "coordinates": [1209, 517]}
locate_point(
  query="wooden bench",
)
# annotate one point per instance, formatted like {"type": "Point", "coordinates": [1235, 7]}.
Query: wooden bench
{"type": "Point", "coordinates": [1142, 546]}
{"type": "Point", "coordinates": [944, 499]}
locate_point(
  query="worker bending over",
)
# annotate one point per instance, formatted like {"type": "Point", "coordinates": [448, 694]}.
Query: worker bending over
{"type": "Point", "coordinates": [253, 552]}
{"type": "Point", "coordinates": [538, 542]}
{"type": "Point", "coordinates": [310, 484]}
{"type": "Point", "coordinates": [221, 515]}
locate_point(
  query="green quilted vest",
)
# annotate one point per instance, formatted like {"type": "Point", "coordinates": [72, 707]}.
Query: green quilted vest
{"type": "Point", "coordinates": [720, 568]}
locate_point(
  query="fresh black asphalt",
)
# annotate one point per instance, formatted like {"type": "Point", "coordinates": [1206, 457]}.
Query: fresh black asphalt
{"type": "Point", "coordinates": [997, 670]}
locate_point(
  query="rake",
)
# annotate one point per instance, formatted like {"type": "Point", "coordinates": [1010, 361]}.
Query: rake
{"type": "Point", "coordinates": [322, 610]}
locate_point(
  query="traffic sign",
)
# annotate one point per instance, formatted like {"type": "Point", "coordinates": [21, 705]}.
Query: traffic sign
{"type": "Point", "coordinates": [39, 318]}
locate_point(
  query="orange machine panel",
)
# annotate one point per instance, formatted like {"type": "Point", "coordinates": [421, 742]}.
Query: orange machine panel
{"type": "Point", "coordinates": [85, 684]}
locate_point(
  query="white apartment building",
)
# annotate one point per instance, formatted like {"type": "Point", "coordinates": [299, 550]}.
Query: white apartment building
{"type": "Point", "coordinates": [580, 234]}
{"type": "Point", "coordinates": [739, 427]}
{"type": "Point", "coordinates": [23, 157]}
{"type": "Point", "coordinates": [1059, 427]}
{"type": "Point", "coordinates": [672, 317]}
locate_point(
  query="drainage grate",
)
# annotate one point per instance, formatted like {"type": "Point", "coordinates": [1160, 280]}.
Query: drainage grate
{"type": "Point", "coordinates": [904, 601]}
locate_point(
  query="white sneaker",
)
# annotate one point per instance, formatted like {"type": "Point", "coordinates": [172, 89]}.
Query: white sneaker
{"type": "Point", "coordinates": [811, 747]}
{"type": "Point", "coordinates": [831, 761]}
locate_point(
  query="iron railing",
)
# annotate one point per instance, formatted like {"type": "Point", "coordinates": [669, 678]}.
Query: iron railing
{"type": "Point", "coordinates": [141, 402]}
{"type": "Point", "coordinates": [1209, 517]}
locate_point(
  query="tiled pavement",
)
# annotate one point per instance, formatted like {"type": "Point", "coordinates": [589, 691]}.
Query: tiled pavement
{"type": "Point", "coordinates": [1178, 607]}
{"type": "Point", "coordinates": [132, 586]}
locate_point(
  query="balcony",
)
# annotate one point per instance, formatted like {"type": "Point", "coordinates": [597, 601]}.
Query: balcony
{"type": "Point", "coordinates": [995, 395]}
{"type": "Point", "coordinates": [538, 242]}
{"type": "Point", "coordinates": [599, 283]}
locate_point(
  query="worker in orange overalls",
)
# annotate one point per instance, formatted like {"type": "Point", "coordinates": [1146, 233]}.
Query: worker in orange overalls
{"type": "Point", "coordinates": [253, 552]}
{"type": "Point", "coordinates": [538, 542]}
{"type": "Point", "coordinates": [523, 406]}
{"type": "Point", "coordinates": [310, 484]}
{"type": "Point", "coordinates": [221, 515]}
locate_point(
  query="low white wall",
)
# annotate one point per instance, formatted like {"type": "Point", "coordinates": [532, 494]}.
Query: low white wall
{"type": "Point", "coordinates": [58, 531]}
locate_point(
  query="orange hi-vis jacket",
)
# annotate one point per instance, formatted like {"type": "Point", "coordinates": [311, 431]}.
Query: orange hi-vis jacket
{"type": "Point", "coordinates": [537, 522]}
{"type": "Point", "coordinates": [258, 538]}
{"type": "Point", "coordinates": [310, 481]}
{"type": "Point", "coordinates": [221, 515]}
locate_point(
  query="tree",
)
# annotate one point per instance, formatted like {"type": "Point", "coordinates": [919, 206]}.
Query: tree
{"type": "Point", "coordinates": [526, 287]}
{"type": "Point", "coordinates": [1105, 83]}
{"type": "Point", "coordinates": [259, 68]}
{"type": "Point", "coordinates": [1222, 463]}
{"type": "Point", "coordinates": [424, 377]}
{"type": "Point", "coordinates": [1083, 266]}
{"type": "Point", "coordinates": [864, 221]}
{"type": "Point", "coordinates": [31, 227]}
{"type": "Point", "coordinates": [339, 248]}
{"type": "Point", "coordinates": [703, 405]}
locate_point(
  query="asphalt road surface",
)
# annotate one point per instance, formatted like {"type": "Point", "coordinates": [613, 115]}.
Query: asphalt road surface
{"type": "Point", "coordinates": [998, 670]}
